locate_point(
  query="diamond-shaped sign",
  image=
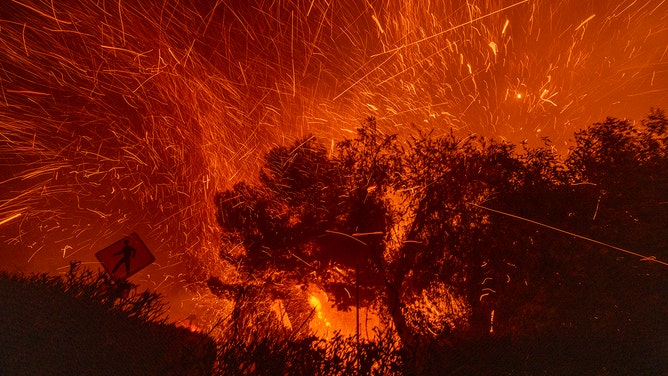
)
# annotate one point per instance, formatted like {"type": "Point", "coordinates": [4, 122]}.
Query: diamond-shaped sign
{"type": "Point", "coordinates": [125, 257]}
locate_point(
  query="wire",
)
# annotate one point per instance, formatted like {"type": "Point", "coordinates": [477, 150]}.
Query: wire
{"type": "Point", "coordinates": [642, 257]}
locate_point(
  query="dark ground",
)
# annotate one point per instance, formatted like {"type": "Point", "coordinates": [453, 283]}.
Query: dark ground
{"type": "Point", "coordinates": [44, 331]}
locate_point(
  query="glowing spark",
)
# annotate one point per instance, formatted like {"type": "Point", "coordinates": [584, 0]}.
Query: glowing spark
{"type": "Point", "coordinates": [505, 26]}
{"type": "Point", "coordinates": [41, 13]}
{"type": "Point", "coordinates": [113, 118]}
{"type": "Point", "coordinates": [10, 218]}
{"type": "Point", "coordinates": [642, 257]}
{"type": "Point", "coordinates": [120, 18]}
{"type": "Point", "coordinates": [27, 92]}
{"type": "Point", "coordinates": [364, 76]}
{"type": "Point", "coordinates": [34, 253]}
{"type": "Point", "coordinates": [380, 28]}
{"type": "Point", "coordinates": [346, 235]}
{"type": "Point", "coordinates": [544, 98]}
{"type": "Point", "coordinates": [455, 27]}
{"type": "Point", "coordinates": [585, 21]}
{"type": "Point", "coordinates": [65, 249]}
{"type": "Point", "coordinates": [494, 48]}
{"type": "Point", "coordinates": [25, 46]}
{"type": "Point", "coordinates": [491, 322]}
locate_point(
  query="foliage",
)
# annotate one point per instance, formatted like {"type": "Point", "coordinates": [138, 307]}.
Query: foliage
{"type": "Point", "coordinates": [254, 303]}
{"type": "Point", "coordinates": [99, 289]}
{"type": "Point", "coordinates": [627, 168]}
{"type": "Point", "coordinates": [454, 239]}
{"type": "Point", "coordinates": [88, 323]}
{"type": "Point", "coordinates": [261, 352]}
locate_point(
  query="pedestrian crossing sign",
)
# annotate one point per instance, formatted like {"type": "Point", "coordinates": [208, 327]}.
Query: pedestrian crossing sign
{"type": "Point", "coordinates": [125, 257]}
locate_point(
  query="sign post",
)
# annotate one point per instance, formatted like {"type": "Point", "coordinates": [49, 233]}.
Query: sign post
{"type": "Point", "coordinates": [125, 257]}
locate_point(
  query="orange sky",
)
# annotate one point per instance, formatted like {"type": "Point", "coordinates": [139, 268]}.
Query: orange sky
{"type": "Point", "coordinates": [129, 119]}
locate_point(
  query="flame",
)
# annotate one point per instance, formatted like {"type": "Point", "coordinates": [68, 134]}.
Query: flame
{"type": "Point", "coordinates": [115, 120]}
{"type": "Point", "coordinates": [317, 306]}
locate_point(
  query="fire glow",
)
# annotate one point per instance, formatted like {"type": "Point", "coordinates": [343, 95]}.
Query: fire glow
{"type": "Point", "coordinates": [128, 116]}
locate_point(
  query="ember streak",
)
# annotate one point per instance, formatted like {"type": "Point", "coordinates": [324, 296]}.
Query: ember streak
{"type": "Point", "coordinates": [122, 116]}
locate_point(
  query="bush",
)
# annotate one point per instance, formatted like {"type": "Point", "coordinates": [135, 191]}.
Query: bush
{"type": "Point", "coordinates": [88, 323]}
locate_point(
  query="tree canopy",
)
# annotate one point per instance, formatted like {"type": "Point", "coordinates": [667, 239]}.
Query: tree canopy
{"type": "Point", "coordinates": [458, 236]}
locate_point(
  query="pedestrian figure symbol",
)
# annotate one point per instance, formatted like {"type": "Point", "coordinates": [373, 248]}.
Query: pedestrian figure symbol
{"type": "Point", "coordinates": [127, 253]}
{"type": "Point", "coordinates": [125, 257]}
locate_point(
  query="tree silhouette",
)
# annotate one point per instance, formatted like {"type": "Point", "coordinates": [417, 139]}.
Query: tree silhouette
{"type": "Point", "coordinates": [627, 167]}
{"type": "Point", "coordinates": [401, 214]}
{"type": "Point", "coordinates": [450, 236]}
{"type": "Point", "coordinates": [621, 168]}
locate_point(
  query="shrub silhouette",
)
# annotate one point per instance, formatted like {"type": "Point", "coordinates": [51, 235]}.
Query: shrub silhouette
{"type": "Point", "coordinates": [88, 323]}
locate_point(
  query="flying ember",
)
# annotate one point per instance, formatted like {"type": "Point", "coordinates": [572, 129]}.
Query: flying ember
{"type": "Point", "coordinates": [128, 116]}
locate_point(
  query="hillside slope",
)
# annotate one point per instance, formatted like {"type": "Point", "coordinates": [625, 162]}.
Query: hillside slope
{"type": "Point", "coordinates": [44, 329]}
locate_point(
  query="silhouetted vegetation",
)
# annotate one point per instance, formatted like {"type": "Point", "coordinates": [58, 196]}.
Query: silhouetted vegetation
{"type": "Point", "coordinates": [86, 323]}
{"type": "Point", "coordinates": [479, 256]}
{"type": "Point", "coordinates": [262, 352]}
